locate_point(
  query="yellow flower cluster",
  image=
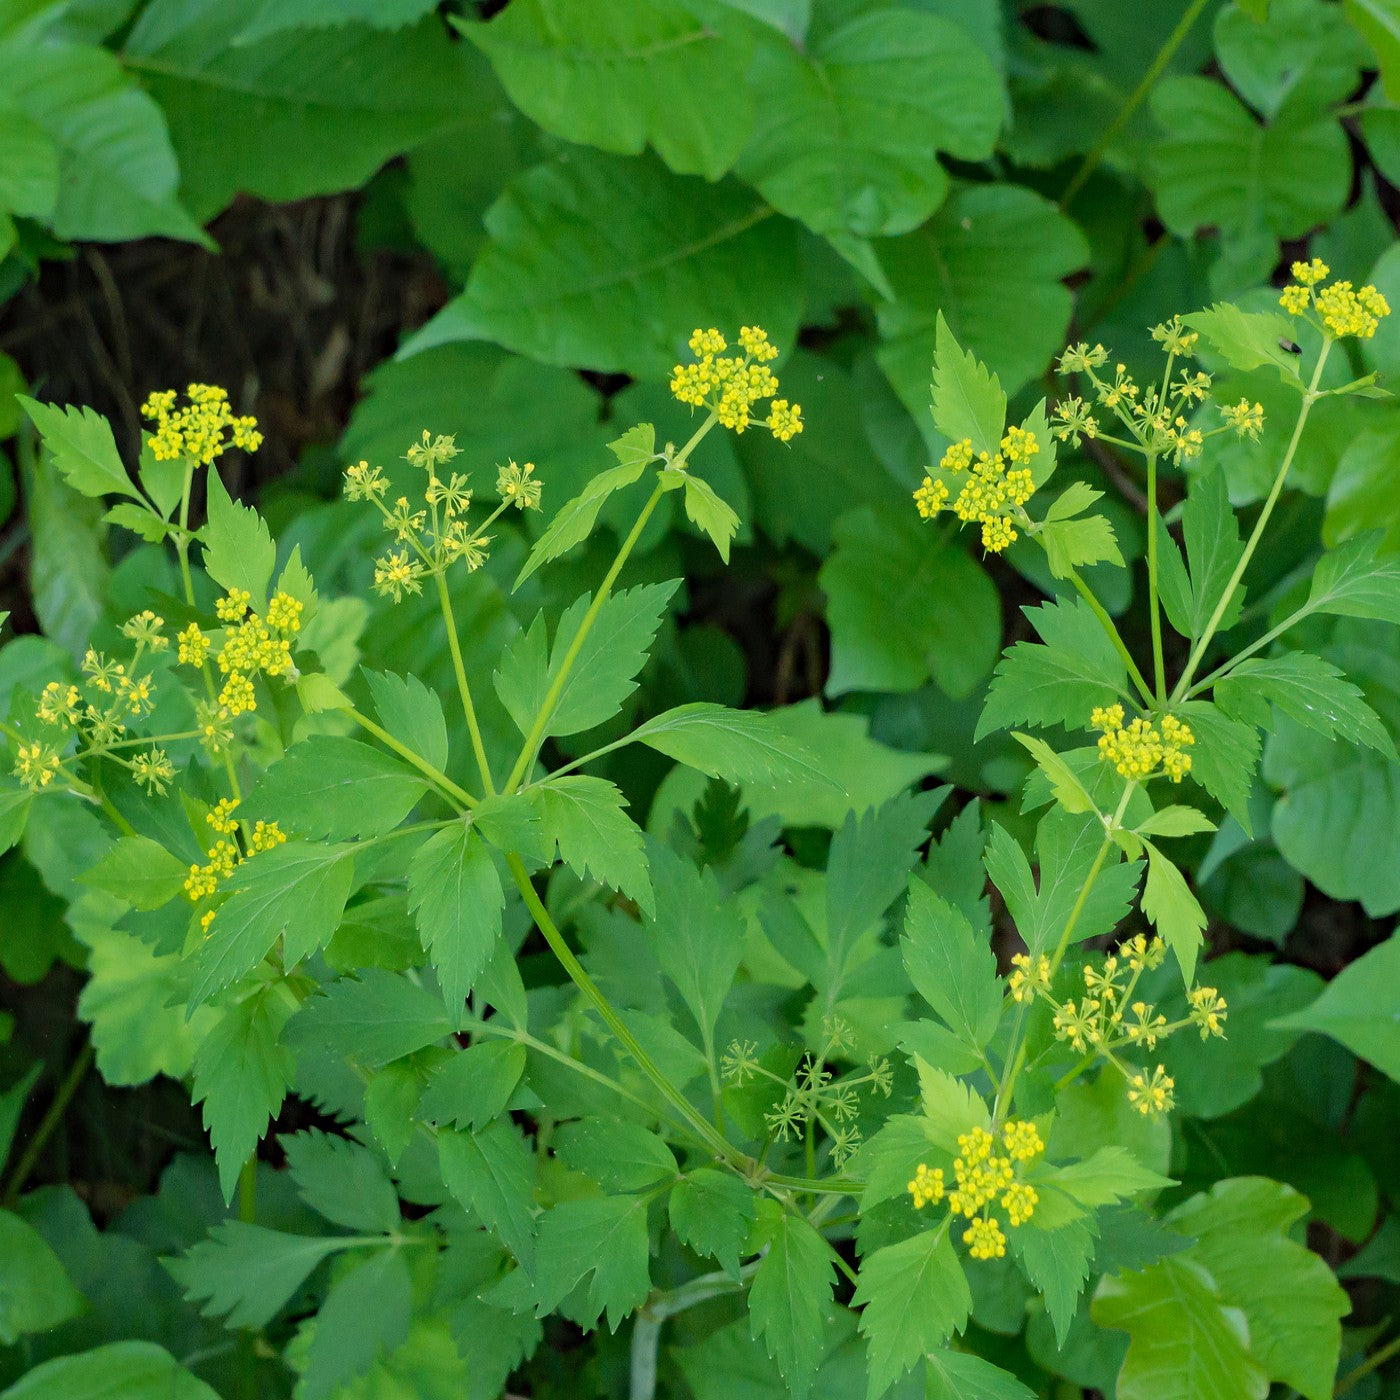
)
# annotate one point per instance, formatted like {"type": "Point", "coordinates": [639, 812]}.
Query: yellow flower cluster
{"type": "Point", "coordinates": [1344, 310]}
{"type": "Point", "coordinates": [985, 1178]}
{"type": "Point", "coordinates": [730, 385]}
{"type": "Point", "coordinates": [1140, 750]}
{"type": "Point", "coordinates": [252, 645]}
{"type": "Point", "coordinates": [1247, 419]}
{"type": "Point", "coordinates": [202, 430]}
{"type": "Point", "coordinates": [227, 854]}
{"type": "Point", "coordinates": [1028, 978]}
{"type": "Point", "coordinates": [996, 485]}
{"type": "Point", "coordinates": [36, 765]}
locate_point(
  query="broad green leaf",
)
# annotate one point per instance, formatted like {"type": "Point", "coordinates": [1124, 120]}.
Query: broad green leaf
{"type": "Point", "coordinates": [888, 1159]}
{"type": "Point", "coordinates": [473, 1087]}
{"type": "Point", "coordinates": [676, 253]}
{"type": "Point", "coordinates": [140, 871]}
{"type": "Point", "coordinates": [846, 135]}
{"type": "Point", "coordinates": [83, 448]}
{"type": "Point", "coordinates": [1186, 1343]}
{"type": "Point", "coordinates": [635, 73]}
{"type": "Point", "coordinates": [707, 509]}
{"type": "Point", "coordinates": [35, 1292]}
{"type": "Point", "coordinates": [276, 16]}
{"type": "Point", "coordinates": [299, 113]}
{"type": "Point", "coordinates": [914, 1296]}
{"type": "Point", "coordinates": [1213, 549]}
{"type": "Point", "coordinates": [1057, 1264]}
{"type": "Point", "coordinates": [455, 895]}
{"type": "Point", "coordinates": [1219, 167]}
{"type": "Point", "coordinates": [1069, 791]}
{"type": "Point", "coordinates": [1360, 1007]}
{"type": "Point", "coordinates": [371, 1019]}
{"type": "Point", "coordinates": [68, 567]}
{"type": "Point", "coordinates": [1289, 1297]}
{"type": "Point", "coordinates": [1305, 59]}
{"type": "Point", "coordinates": [951, 967]}
{"type": "Point", "coordinates": [1351, 581]}
{"type": "Point", "coordinates": [366, 1313]}
{"type": "Point", "coordinates": [712, 1213]}
{"type": "Point", "coordinates": [329, 787]}
{"type": "Point", "coordinates": [1060, 682]}
{"type": "Point", "coordinates": [341, 1181]}
{"type": "Point", "coordinates": [618, 1155]}
{"type": "Point", "coordinates": [15, 803]}
{"type": "Point", "coordinates": [602, 1240]}
{"type": "Point", "coordinates": [1112, 1174]}
{"type": "Point", "coordinates": [392, 1095]}
{"type": "Point", "coordinates": [241, 1076]}
{"type": "Point", "coordinates": [1311, 690]}
{"type": "Point", "coordinates": [238, 550]}
{"type": "Point", "coordinates": [1173, 910]}
{"type": "Point", "coordinates": [950, 1106]}
{"type": "Point", "coordinates": [1077, 544]}
{"type": "Point", "coordinates": [740, 746]}
{"type": "Point", "coordinates": [1223, 758]}
{"type": "Point", "coordinates": [512, 822]}
{"type": "Point", "coordinates": [411, 713]}
{"type": "Point", "coordinates": [698, 937]}
{"type": "Point", "coordinates": [296, 891]}
{"type": "Point", "coordinates": [967, 400]}
{"type": "Point", "coordinates": [1379, 23]}
{"type": "Point", "coordinates": [117, 175]}
{"type": "Point", "coordinates": [904, 605]}
{"type": "Point", "coordinates": [492, 1174]}
{"type": "Point", "coordinates": [1248, 340]}
{"type": "Point", "coordinates": [963, 1375]}
{"type": "Point", "coordinates": [603, 673]}
{"type": "Point", "coordinates": [789, 1295]}
{"type": "Point", "coordinates": [248, 1271]}
{"type": "Point", "coordinates": [596, 838]}
{"type": "Point", "coordinates": [117, 1371]}
{"type": "Point", "coordinates": [991, 262]}
{"type": "Point", "coordinates": [29, 182]}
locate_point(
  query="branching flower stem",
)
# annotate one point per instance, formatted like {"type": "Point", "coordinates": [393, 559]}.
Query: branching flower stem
{"type": "Point", "coordinates": [463, 689]}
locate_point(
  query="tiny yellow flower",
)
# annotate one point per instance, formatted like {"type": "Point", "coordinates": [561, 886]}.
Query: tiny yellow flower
{"type": "Point", "coordinates": [193, 646]}
{"type": "Point", "coordinates": [1207, 1011]}
{"type": "Point", "coordinates": [153, 770]}
{"type": "Point", "coordinates": [1023, 1142]}
{"type": "Point", "coordinates": [1247, 419]}
{"type": "Point", "coordinates": [984, 1239]}
{"type": "Point", "coordinates": [516, 485]}
{"type": "Point", "coordinates": [1019, 1202]}
{"type": "Point", "coordinates": [1028, 978]}
{"type": "Point", "coordinates": [58, 703]}
{"type": "Point", "coordinates": [926, 1187]}
{"type": "Point", "coordinates": [1152, 1096]}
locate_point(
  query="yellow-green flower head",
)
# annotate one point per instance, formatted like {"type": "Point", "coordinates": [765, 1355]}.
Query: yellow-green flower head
{"type": "Point", "coordinates": [145, 630]}
{"type": "Point", "coordinates": [202, 430]}
{"type": "Point", "coordinates": [1154, 1095]}
{"type": "Point", "coordinates": [1022, 1139]}
{"type": "Point", "coordinates": [1079, 358]}
{"type": "Point", "coordinates": [364, 482]}
{"type": "Point", "coordinates": [1146, 1026]}
{"type": "Point", "coordinates": [1019, 1202]}
{"type": "Point", "coordinates": [1142, 953]}
{"type": "Point", "coordinates": [36, 765]}
{"type": "Point", "coordinates": [1207, 1011]}
{"type": "Point", "coordinates": [995, 486]}
{"type": "Point", "coordinates": [193, 646]}
{"type": "Point", "coordinates": [730, 386]}
{"type": "Point", "coordinates": [1027, 977]}
{"type": "Point", "coordinates": [984, 1239]}
{"type": "Point", "coordinates": [396, 574]}
{"type": "Point", "coordinates": [1174, 338]}
{"type": "Point", "coordinates": [453, 495]}
{"type": "Point", "coordinates": [58, 703]}
{"type": "Point", "coordinates": [430, 452]}
{"type": "Point", "coordinates": [1139, 750]}
{"type": "Point", "coordinates": [1343, 309]}
{"type": "Point", "coordinates": [1247, 419]}
{"type": "Point", "coordinates": [516, 486]}
{"type": "Point", "coordinates": [926, 1187]}
{"type": "Point", "coordinates": [1074, 420]}
{"type": "Point", "coordinates": [153, 770]}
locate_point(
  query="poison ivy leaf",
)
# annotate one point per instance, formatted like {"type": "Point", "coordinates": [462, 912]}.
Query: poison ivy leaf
{"type": "Point", "coordinates": [951, 967]}
{"type": "Point", "coordinates": [602, 1240]}
{"type": "Point", "coordinates": [82, 447]}
{"type": "Point", "coordinates": [1311, 690]}
{"type": "Point", "coordinates": [248, 1271]}
{"type": "Point", "coordinates": [789, 1295]}
{"type": "Point", "coordinates": [968, 401]}
{"type": "Point", "coordinates": [1306, 58]}
{"type": "Point", "coordinates": [412, 713]}
{"type": "Point", "coordinates": [1174, 911]}
{"type": "Point", "coordinates": [1248, 340]}
{"type": "Point", "coordinates": [29, 182]}
{"type": "Point", "coordinates": [712, 1213]}
{"type": "Point", "coordinates": [366, 1313]}
{"type": "Point", "coordinates": [140, 871]}
{"type": "Point", "coordinates": [1186, 1343]}
{"type": "Point", "coordinates": [1060, 682]}
{"type": "Point", "coordinates": [299, 113]}
{"type": "Point", "coordinates": [1360, 1007]}
{"type": "Point", "coordinates": [707, 255]}
{"type": "Point", "coordinates": [35, 1292]}
{"type": "Point", "coordinates": [241, 1075]}
{"type": "Point", "coordinates": [742, 746]}
{"type": "Point", "coordinates": [1289, 1297]}
{"type": "Point", "coordinates": [117, 1371]}
{"type": "Point", "coordinates": [370, 1019]}
{"type": "Point", "coordinates": [492, 1173]}
{"type": "Point", "coordinates": [1380, 25]}
{"type": "Point", "coordinates": [296, 891]}
{"type": "Point", "coordinates": [914, 1297]}
{"type": "Point", "coordinates": [847, 131]}
{"type": "Point", "coordinates": [963, 1375]}
{"type": "Point", "coordinates": [338, 788]}
{"type": "Point", "coordinates": [1057, 1264]}
{"type": "Point", "coordinates": [473, 1087]}
{"type": "Point", "coordinates": [117, 175]}
{"type": "Point", "coordinates": [455, 896]}
{"type": "Point", "coordinates": [903, 606]}
{"type": "Point", "coordinates": [238, 550]}
{"type": "Point", "coordinates": [275, 16]}
{"type": "Point", "coordinates": [342, 1181]}
{"type": "Point", "coordinates": [991, 261]}
{"type": "Point", "coordinates": [621, 78]}
{"type": "Point", "coordinates": [596, 838]}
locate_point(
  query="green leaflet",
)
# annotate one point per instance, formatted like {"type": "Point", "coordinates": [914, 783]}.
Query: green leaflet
{"type": "Point", "coordinates": [1247, 339]}
{"type": "Point", "coordinates": [968, 401]}
{"type": "Point", "coordinates": [473, 1087]}
{"type": "Point", "coordinates": [117, 1371]}
{"type": "Point", "coordinates": [789, 1294]}
{"type": "Point", "coordinates": [411, 713]}
{"type": "Point", "coordinates": [342, 1181]}
{"type": "Point", "coordinates": [238, 548]}
{"type": "Point", "coordinates": [601, 1241]}
{"type": "Point", "coordinates": [35, 1292]}
{"type": "Point", "coordinates": [140, 871]}
{"type": "Point", "coordinates": [371, 1019]}
{"type": "Point", "coordinates": [712, 1212]}
{"type": "Point", "coordinates": [366, 1312]}
{"type": "Point", "coordinates": [596, 838]}
{"type": "Point", "coordinates": [83, 448]}
{"type": "Point", "coordinates": [951, 967]}
{"type": "Point", "coordinates": [1057, 1263]}
{"type": "Point", "coordinates": [492, 1174]}
{"type": "Point", "coordinates": [1174, 911]}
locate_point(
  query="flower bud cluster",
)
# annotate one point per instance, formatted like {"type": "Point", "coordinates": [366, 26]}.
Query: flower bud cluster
{"type": "Point", "coordinates": [202, 430]}
{"type": "Point", "coordinates": [731, 385]}
{"type": "Point", "coordinates": [996, 485]}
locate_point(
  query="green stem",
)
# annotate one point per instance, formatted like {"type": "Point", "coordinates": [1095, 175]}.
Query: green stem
{"type": "Point", "coordinates": [556, 688]}
{"type": "Point", "coordinates": [459, 796]}
{"type": "Point", "coordinates": [1374, 1362]}
{"type": "Point", "coordinates": [1199, 650]}
{"type": "Point", "coordinates": [1165, 54]}
{"type": "Point", "coordinates": [463, 689]}
{"type": "Point", "coordinates": [1272, 635]}
{"type": "Point", "coordinates": [1106, 622]}
{"type": "Point", "coordinates": [701, 1125]}
{"type": "Point", "coordinates": [1159, 668]}
{"type": "Point", "coordinates": [182, 540]}
{"type": "Point", "coordinates": [646, 1325]}
{"type": "Point", "coordinates": [51, 1119]}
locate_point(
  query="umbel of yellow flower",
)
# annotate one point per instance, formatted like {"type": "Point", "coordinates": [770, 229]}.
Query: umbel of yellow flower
{"type": "Point", "coordinates": [1340, 308]}
{"type": "Point", "coordinates": [252, 645]}
{"type": "Point", "coordinates": [1140, 750]}
{"type": "Point", "coordinates": [995, 486]}
{"type": "Point", "coordinates": [228, 853]}
{"type": "Point", "coordinates": [202, 430]}
{"type": "Point", "coordinates": [730, 385]}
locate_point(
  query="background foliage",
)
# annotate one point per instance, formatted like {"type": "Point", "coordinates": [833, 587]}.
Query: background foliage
{"type": "Point", "coordinates": [376, 217]}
